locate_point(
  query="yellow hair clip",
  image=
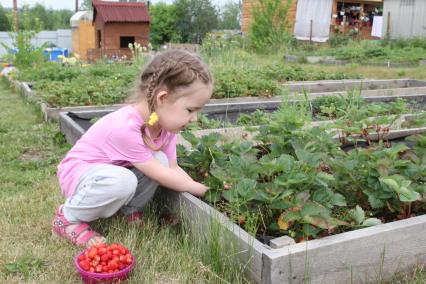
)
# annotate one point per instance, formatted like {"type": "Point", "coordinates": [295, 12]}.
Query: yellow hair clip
{"type": "Point", "coordinates": [153, 118]}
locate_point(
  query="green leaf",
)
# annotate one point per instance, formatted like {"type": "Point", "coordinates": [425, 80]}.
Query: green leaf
{"type": "Point", "coordinates": [246, 146]}
{"type": "Point", "coordinates": [375, 202]}
{"type": "Point", "coordinates": [405, 193]}
{"type": "Point", "coordinates": [408, 195]}
{"type": "Point", "coordinates": [280, 205]}
{"type": "Point", "coordinates": [190, 137]}
{"type": "Point", "coordinates": [309, 230]}
{"type": "Point", "coordinates": [11, 267]}
{"type": "Point", "coordinates": [230, 195]}
{"type": "Point", "coordinates": [291, 216]}
{"type": "Point", "coordinates": [357, 214]}
{"type": "Point", "coordinates": [325, 176]}
{"type": "Point", "coordinates": [311, 159]}
{"type": "Point", "coordinates": [246, 187]}
{"type": "Point", "coordinates": [389, 182]}
{"type": "Point", "coordinates": [371, 222]}
{"type": "Point", "coordinates": [320, 222]}
{"type": "Point", "coordinates": [213, 196]}
{"type": "Point", "coordinates": [338, 200]}
{"type": "Point", "coordinates": [314, 209]}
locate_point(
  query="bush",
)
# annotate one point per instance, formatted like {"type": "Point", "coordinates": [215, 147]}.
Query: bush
{"type": "Point", "coordinates": [269, 29]}
{"type": "Point", "coordinates": [76, 85]}
{"type": "Point", "coordinates": [337, 40]}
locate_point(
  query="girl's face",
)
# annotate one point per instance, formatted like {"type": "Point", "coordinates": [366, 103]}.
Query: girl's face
{"type": "Point", "coordinates": [175, 114]}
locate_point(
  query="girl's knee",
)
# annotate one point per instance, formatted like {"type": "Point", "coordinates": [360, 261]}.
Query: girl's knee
{"type": "Point", "coordinates": [125, 183]}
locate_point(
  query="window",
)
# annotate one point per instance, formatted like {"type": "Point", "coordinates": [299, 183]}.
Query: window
{"type": "Point", "coordinates": [125, 40]}
{"type": "Point", "coordinates": [98, 43]}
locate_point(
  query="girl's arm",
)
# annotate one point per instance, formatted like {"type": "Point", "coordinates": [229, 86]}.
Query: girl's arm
{"type": "Point", "coordinates": [171, 178]}
{"type": "Point", "coordinates": [174, 165]}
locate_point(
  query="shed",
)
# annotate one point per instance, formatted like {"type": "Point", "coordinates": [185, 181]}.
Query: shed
{"type": "Point", "coordinates": [83, 33]}
{"type": "Point", "coordinates": [116, 25]}
{"type": "Point", "coordinates": [404, 18]}
{"type": "Point", "coordinates": [315, 19]}
{"type": "Point", "coordinates": [361, 18]}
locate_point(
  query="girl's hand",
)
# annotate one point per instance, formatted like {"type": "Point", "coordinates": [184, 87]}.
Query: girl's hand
{"type": "Point", "coordinates": [198, 189]}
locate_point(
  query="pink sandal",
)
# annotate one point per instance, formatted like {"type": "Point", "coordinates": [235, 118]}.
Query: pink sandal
{"type": "Point", "coordinates": [59, 229]}
{"type": "Point", "coordinates": [135, 218]}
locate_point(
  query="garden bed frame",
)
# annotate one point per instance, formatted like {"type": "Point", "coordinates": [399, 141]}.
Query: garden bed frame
{"type": "Point", "coordinates": [371, 90]}
{"type": "Point", "coordinates": [73, 131]}
{"type": "Point", "coordinates": [369, 254]}
{"type": "Point", "coordinates": [332, 60]}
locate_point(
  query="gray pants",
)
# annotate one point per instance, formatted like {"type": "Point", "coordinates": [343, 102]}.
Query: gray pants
{"type": "Point", "coordinates": [104, 189]}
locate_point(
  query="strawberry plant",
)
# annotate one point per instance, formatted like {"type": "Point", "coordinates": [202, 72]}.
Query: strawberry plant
{"type": "Point", "coordinates": [302, 182]}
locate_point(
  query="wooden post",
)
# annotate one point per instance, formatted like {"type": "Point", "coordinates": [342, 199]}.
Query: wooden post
{"type": "Point", "coordinates": [388, 26]}
{"type": "Point", "coordinates": [76, 6]}
{"type": "Point", "coordinates": [344, 24]}
{"type": "Point", "coordinates": [15, 16]}
{"type": "Point", "coordinates": [310, 33]}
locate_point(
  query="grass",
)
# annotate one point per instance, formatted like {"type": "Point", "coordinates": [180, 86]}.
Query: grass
{"type": "Point", "coordinates": [243, 59]}
{"type": "Point", "coordinates": [29, 153]}
{"type": "Point", "coordinates": [373, 72]}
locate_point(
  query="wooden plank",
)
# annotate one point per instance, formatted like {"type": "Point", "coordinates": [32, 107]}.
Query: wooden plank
{"type": "Point", "coordinates": [369, 254]}
{"type": "Point", "coordinates": [205, 221]}
{"type": "Point", "coordinates": [71, 130]}
{"type": "Point", "coordinates": [342, 85]}
{"type": "Point", "coordinates": [52, 113]}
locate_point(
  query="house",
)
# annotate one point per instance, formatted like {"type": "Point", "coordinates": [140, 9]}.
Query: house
{"type": "Point", "coordinates": [315, 19]}
{"type": "Point", "coordinates": [83, 33]}
{"type": "Point", "coordinates": [116, 25]}
{"type": "Point", "coordinates": [404, 18]}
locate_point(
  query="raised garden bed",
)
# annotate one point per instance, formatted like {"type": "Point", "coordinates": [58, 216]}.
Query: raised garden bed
{"type": "Point", "coordinates": [74, 124]}
{"type": "Point", "coordinates": [388, 87]}
{"type": "Point", "coordinates": [327, 60]}
{"type": "Point", "coordinates": [332, 60]}
{"type": "Point", "coordinates": [219, 115]}
{"type": "Point", "coordinates": [368, 254]}
{"type": "Point", "coordinates": [374, 253]}
{"type": "Point", "coordinates": [371, 90]}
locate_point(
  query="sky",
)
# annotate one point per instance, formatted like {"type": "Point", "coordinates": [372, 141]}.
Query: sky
{"type": "Point", "coordinates": [70, 4]}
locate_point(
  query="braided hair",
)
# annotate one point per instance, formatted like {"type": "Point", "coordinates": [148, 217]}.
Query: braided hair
{"type": "Point", "coordinates": [171, 70]}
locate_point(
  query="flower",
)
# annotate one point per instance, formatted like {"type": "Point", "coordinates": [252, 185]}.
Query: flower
{"type": "Point", "coordinates": [153, 118]}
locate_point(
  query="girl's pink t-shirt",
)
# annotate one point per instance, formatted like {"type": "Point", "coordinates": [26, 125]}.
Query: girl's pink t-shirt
{"type": "Point", "coordinates": [114, 139]}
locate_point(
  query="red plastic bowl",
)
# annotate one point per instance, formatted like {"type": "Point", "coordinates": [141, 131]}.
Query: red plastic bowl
{"type": "Point", "coordinates": [91, 277]}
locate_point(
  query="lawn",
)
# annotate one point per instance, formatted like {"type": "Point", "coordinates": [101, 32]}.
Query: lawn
{"type": "Point", "coordinates": [29, 153]}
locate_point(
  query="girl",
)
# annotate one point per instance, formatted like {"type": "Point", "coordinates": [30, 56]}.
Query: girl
{"type": "Point", "coordinates": [120, 161]}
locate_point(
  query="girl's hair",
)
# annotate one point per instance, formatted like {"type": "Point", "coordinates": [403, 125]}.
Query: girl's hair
{"type": "Point", "coordinates": [171, 70]}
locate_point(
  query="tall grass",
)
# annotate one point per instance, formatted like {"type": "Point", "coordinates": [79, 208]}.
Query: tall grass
{"type": "Point", "coordinates": [29, 153]}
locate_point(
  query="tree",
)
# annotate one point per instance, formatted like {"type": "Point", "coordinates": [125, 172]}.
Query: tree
{"type": "Point", "coordinates": [39, 14]}
{"type": "Point", "coordinates": [195, 19]}
{"type": "Point", "coordinates": [163, 23]}
{"type": "Point", "coordinates": [15, 15]}
{"type": "Point", "coordinates": [46, 19]}
{"type": "Point", "coordinates": [4, 21]}
{"type": "Point", "coordinates": [61, 18]}
{"type": "Point", "coordinates": [269, 28]}
{"type": "Point", "coordinates": [230, 17]}
{"type": "Point", "coordinates": [86, 5]}
{"type": "Point", "coordinates": [26, 54]}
